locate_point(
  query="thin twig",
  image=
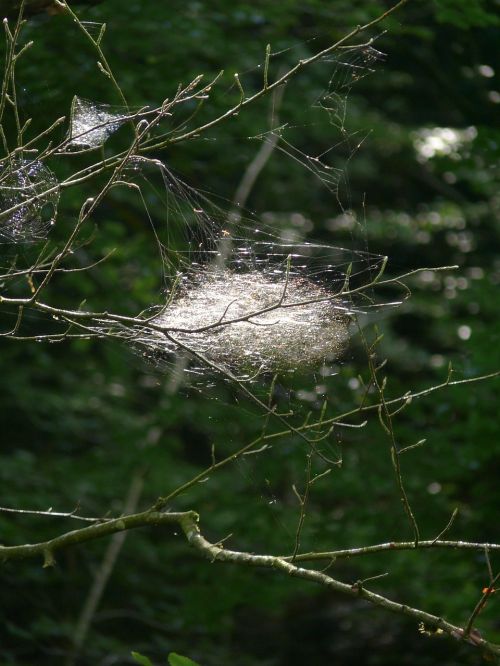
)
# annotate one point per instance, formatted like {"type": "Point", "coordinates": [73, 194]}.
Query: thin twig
{"type": "Point", "coordinates": [52, 514]}
{"type": "Point", "coordinates": [488, 591]}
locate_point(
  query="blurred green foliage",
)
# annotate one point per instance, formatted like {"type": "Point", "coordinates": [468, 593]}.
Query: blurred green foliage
{"type": "Point", "coordinates": [80, 419]}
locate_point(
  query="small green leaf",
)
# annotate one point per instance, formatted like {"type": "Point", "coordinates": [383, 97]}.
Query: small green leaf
{"type": "Point", "coordinates": [141, 659]}
{"type": "Point", "coordinates": [175, 659]}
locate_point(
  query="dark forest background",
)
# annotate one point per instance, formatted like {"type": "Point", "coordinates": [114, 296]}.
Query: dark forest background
{"type": "Point", "coordinates": [80, 420]}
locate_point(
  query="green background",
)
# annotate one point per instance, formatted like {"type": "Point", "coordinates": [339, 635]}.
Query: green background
{"type": "Point", "coordinates": [80, 420]}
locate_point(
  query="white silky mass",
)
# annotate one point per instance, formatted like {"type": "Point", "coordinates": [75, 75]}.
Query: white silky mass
{"type": "Point", "coordinates": [302, 326]}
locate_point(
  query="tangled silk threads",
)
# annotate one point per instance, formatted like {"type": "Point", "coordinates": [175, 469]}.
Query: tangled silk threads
{"type": "Point", "coordinates": [91, 124]}
{"type": "Point", "coordinates": [29, 195]}
{"type": "Point", "coordinates": [251, 322]}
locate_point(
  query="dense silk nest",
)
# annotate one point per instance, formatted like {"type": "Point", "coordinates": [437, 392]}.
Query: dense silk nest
{"type": "Point", "coordinates": [251, 321]}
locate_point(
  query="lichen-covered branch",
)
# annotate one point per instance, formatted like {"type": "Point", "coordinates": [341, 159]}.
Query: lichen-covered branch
{"type": "Point", "coordinates": [188, 521]}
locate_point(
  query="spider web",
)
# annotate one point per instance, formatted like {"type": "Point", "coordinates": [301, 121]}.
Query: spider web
{"type": "Point", "coordinates": [29, 196]}
{"type": "Point", "coordinates": [91, 124]}
{"type": "Point", "coordinates": [265, 301]}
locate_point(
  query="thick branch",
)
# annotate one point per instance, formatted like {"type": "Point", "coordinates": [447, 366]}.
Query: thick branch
{"type": "Point", "coordinates": [46, 549]}
{"type": "Point", "coordinates": [220, 554]}
{"type": "Point", "coordinates": [188, 521]}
